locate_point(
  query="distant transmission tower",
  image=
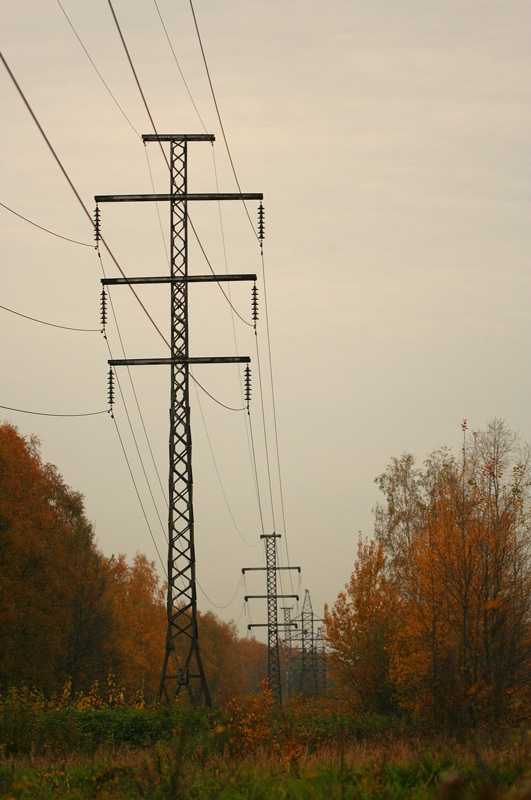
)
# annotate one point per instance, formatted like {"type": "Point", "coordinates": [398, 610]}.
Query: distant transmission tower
{"type": "Point", "coordinates": [312, 657]}
{"type": "Point", "coordinates": [287, 651]}
{"type": "Point", "coordinates": [182, 660]}
{"type": "Point", "coordinates": [272, 625]}
{"type": "Point", "coordinates": [320, 661]}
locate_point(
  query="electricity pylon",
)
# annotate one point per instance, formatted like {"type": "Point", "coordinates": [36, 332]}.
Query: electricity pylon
{"type": "Point", "coordinates": [182, 659]}
{"type": "Point", "coordinates": [320, 661]}
{"type": "Point", "coordinates": [272, 625]}
{"type": "Point", "coordinates": [287, 650]}
{"type": "Point", "coordinates": [312, 674]}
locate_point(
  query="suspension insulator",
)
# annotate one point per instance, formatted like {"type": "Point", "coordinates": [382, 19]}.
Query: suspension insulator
{"type": "Point", "coordinates": [247, 385]}
{"type": "Point", "coordinates": [97, 232]}
{"type": "Point", "coordinates": [254, 304]}
{"type": "Point", "coordinates": [111, 388]}
{"type": "Point", "coordinates": [261, 223]}
{"type": "Point", "coordinates": [103, 309]}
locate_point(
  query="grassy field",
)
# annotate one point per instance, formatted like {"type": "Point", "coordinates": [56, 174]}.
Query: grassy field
{"type": "Point", "coordinates": [247, 750]}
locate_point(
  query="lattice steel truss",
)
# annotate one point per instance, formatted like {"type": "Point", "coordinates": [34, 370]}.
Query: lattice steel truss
{"type": "Point", "coordinates": [273, 653]}
{"type": "Point", "coordinates": [307, 674]}
{"type": "Point", "coordinates": [182, 592]}
{"type": "Point", "coordinates": [182, 660]}
{"type": "Point", "coordinates": [287, 651]}
{"type": "Point", "coordinates": [272, 624]}
{"type": "Point", "coordinates": [320, 661]}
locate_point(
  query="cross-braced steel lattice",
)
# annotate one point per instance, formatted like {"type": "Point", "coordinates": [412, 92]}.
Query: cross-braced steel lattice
{"type": "Point", "coordinates": [307, 674]}
{"type": "Point", "coordinates": [182, 597]}
{"type": "Point", "coordinates": [273, 653]}
{"type": "Point", "coordinates": [287, 651]}
{"type": "Point", "coordinates": [272, 624]}
{"type": "Point", "coordinates": [320, 661]}
{"type": "Point", "coordinates": [182, 659]}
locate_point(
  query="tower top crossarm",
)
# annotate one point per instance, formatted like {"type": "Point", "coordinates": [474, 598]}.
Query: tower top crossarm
{"type": "Point", "coordinates": [178, 137]}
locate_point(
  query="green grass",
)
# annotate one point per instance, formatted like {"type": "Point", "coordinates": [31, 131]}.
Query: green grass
{"type": "Point", "coordinates": [158, 754]}
{"type": "Point", "coordinates": [173, 771]}
{"type": "Point", "coordinates": [163, 774]}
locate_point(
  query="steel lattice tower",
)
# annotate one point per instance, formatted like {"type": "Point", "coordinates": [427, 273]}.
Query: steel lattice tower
{"type": "Point", "coordinates": [307, 675]}
{"type": "Point", "coordinates": [273, 651]}
{"type": "Point", "coordinates": [182, 660]}
{"type": "Point", "coordinates": [182, 592]}
{"type": "Point", "coordinates": [287, 650]}
{"type": "Point", "coordinates": [320, 661]}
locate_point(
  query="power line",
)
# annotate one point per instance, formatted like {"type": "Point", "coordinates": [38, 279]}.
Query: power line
{"type": "Point", "coordinates": [229, 408]}
{"type": "Point", "coordinates": [222, 290]}
{"type": "Point", "coordinates": [43, 414]}
{"type": "Point", "coordinates": [275, 426]}
{"type": "Point", "coordinates": [265, 298]}
{"type": "Point", "coordinates": [100, 76]}
{"type": "Point", "coordinates": [73, 188]}
{"type": "Point", "coordinates": [132, 383]}
{"type": "Point", "coordinates": [242, 537]}
{"type": "Point", "coordinates": [66, 238]}
{"type": "Point", "coordinates": [51, 324]}
{"type": "Point", "coordinates": [138, 451]}
{"type": "Point", "coordinates": [219, 115]}
{"type": "Point", "coordinates": [179, 66]}
{"type": "Point", "coordinates": [266, 446]}
{"type": "Point", "coordinates": [146, 106]}
{"type": "Point", "coordinates": [226, 604]}
{"type": "Point", "coordinates": [139, 498]}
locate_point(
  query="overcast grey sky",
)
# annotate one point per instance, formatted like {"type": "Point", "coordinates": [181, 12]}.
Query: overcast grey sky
{"type": "Point", "coordinates": [391, 141]}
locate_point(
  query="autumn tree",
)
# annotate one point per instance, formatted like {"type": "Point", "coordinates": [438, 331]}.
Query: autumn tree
{"type": "Point", "coordinates": [360, 629]}
{"type": "Point", "coordinates": [456, 535]}
{"type": "Point", "coordinates": [140, 615]}
{"type": "Point", "coordinates": [49, 568]}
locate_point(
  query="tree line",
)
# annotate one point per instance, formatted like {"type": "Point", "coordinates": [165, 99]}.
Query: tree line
{"type": "Point", "coordinates": [436, 617]}
{"type": "Point", "coordinates": [70, 615]}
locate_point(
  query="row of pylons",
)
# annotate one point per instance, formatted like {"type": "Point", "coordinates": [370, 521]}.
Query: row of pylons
{"type": "Point", "coordinates": [304, 651]}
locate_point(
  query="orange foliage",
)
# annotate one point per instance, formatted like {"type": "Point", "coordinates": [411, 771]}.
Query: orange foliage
{"type": "Point", "coordinates": [359, 629]}
{"type": "Point", "coordinates": [69, 617]}
{"type": "Point", "coordinates": [141, 618]}
{"type": "Point", "coordinates": [438, 611]}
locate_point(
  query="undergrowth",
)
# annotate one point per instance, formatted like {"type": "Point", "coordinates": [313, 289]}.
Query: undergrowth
{"type": "Point", "coordinates": [313, 749]}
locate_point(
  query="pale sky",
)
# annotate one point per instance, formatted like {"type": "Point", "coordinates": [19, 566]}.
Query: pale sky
{"type": "Point", "coordinates": [391, 142]}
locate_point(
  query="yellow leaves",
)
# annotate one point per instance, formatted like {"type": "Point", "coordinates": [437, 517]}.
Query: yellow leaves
{"type": "Point", "coordinates": [492, 603]}
{"type": "Point", "coordinates": [250, 722]}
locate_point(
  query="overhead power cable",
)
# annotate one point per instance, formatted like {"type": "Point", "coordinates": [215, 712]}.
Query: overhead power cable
{"type": "Point", "coordinates": [132, 383]}
{"type": "Point", "coordinates": [138, 450]}
{"type": "Point", "coordinates": [136, 79]}
{"type": "Point", "coordinates": [146, 106]}
{"type": "Point", "coordinates": [275, 426]}
{"type": "Point", "coordinates": [82, 204]}
{"type": "Point", "coordinates": [240, 534]}
{"type": "Point", "coordinates": [164, 571]}
{"type": "Point", "coordinates": [100, 76]}
{"type": "Point", "coordinates": [179, 67]}
{"type": "Point", "coordinates": [226, 604]}
{"type": "Point", "coordinates": [51, 324]}
{"type": "Point", "coordinates": [229, 408]}
{"type": "Point", "coordinates": [43, 414]}
{"type": "Point", "coordinates": [66, 238]}
{"type": "Point", "coordinates": [219, 117]}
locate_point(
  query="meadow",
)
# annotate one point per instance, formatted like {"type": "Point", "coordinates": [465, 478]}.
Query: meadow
{"type": "Point", "coordinates": [249, 749]}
